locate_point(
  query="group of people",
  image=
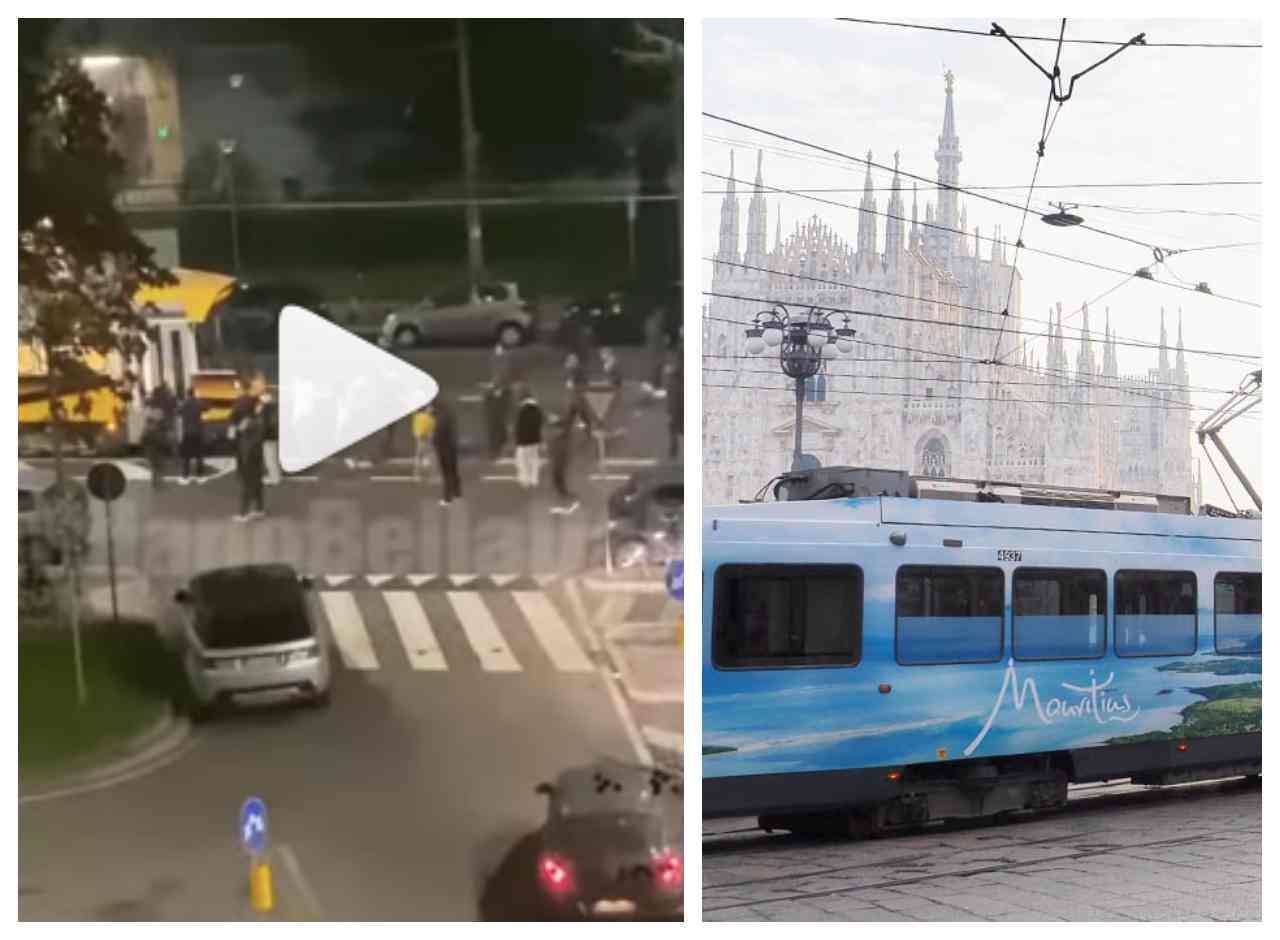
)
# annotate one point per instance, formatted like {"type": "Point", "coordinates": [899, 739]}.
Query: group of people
{"type": "Point", "coordinates": [172, 422]}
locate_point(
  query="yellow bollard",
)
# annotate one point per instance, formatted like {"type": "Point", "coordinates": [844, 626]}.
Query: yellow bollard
{"type": "Point", "coordinates": [260, 894]}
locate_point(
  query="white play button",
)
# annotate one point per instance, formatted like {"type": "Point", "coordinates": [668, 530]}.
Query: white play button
{"type": "Point", "coordinates": [336, 389]}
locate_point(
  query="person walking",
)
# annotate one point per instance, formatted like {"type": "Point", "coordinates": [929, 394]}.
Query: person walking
{"type": "Point", "coordinates": [271, 439]}
{"type": "Point", "coordinates": [423, 425]}
{"type": "Point", "coordinates": [153, 444]}
{"type": "Point", "coordinates": [558, 455]}
{"type": "Point", "coordinates": [445, 439]}
{"type": "Point", "coordinates": [528, 440]}
{"type": "Point", "coordinates": [249, 465]}
{"type": "Point", "coordinates": [576, 413]}
{"type": "Point", "coordinates": [497, 408]}
{"type": "Point", "coordinates": [191, 449]}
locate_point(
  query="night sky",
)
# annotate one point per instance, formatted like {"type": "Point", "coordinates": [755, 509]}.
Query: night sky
{"type": "Point", "coordinates": [549, 95]}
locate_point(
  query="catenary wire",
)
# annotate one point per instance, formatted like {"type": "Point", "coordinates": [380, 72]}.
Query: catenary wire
{"type": "Point", "coordinates": [987, 238]}
{"type": "Point", "coordinates": [1033, 334]}
{"type": "Point", "coordinates": [1087, 42]}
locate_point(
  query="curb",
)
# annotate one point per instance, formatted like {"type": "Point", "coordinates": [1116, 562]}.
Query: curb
{"type": "Point", "coordinates": [166, 740]}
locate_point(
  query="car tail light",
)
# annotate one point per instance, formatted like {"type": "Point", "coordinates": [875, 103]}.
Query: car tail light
{"type": "Point", "coordinates": [668, 871]}
{"type": "Point", "coordinates": [555, 873]}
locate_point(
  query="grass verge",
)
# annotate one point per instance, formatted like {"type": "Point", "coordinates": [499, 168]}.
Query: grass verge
{"type": "Point", "coordinates": [131, 679]}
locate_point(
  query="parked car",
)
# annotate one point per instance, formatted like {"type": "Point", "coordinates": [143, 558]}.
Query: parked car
{"type": "Point", "coordinates": [617, 317]}
{"type": "Point", "coordinates": [646, 518]}
{"type": "Point", "coordinates": [247, 634]}
{"type": "Point", "coordinates": [612, 843]}
{"type": "Point", "coordinates": [485, 313]}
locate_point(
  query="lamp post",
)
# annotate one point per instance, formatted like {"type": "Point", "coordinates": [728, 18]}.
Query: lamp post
{"type": "Point", "coordinates": [804, 342]}
{"type": "Point", "coordinates": [227, 146]}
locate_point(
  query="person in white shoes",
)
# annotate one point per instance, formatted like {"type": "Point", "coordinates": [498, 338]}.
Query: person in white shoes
{"type": "Point", "coordinates": [528, 440]}
{"type": "Point", "coordinates": [558, 454]}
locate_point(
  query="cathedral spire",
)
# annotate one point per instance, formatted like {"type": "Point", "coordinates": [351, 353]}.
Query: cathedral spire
{"type": "Point", "coordinates": [893, 225]}
{"type": "Point", "coordinates": [1085, 363]}
{"type": "Point", "coordinates": [1110, 366]}
{"type": "Point", "coordinates": [867, 220]}
{"type": "Point", "coordinates": [1164, 349]}
{"type": "Point", "coordinates": [948, 157]}
{"type": "Point", "coordinates": [757, 218]}
{"type": "Point", "coordinates": [728, 253]}
{"type": "Point", "coordinates": [777, 238]}
{"type": "Point", "coordinates": [915, 218]}
{"type": "Point", "coordinates": [1181, 362]}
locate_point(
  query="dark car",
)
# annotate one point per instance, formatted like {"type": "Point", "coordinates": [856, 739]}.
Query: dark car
{"type": "Point", "coordinates": [247, 320]}
{"type": "Point", "coordinates": [617, 317]}
{"type": "Point", "coordinates": [612, 843]}
{"type": "Point", "coordinates": [646, 518]}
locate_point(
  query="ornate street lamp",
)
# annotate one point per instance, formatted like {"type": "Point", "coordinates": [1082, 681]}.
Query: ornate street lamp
{"type": "Point", "coordinates": [804, 342]}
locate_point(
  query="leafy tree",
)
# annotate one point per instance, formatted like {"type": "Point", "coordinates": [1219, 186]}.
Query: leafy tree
{"type": "Point", "coordinates": [79, 268]}
{"type": "Point", "coordinates": [79, 264]}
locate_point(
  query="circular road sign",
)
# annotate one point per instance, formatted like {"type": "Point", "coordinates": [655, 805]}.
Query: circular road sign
{"type": "Point", "coordinates": [253, 826]}
{"type": "Point", "coordinates": [106, 481]}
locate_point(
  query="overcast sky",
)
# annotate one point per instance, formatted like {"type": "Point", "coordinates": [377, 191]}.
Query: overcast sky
{"type": "Point", "coordinates": [1148, 115]}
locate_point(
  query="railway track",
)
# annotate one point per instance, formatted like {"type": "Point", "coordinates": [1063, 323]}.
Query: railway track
{"type": "Point", "coordinates": [746, 867]}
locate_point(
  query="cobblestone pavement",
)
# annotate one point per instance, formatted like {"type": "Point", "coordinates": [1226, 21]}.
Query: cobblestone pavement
{"type": "Point", "coordinates": [1116, 853]}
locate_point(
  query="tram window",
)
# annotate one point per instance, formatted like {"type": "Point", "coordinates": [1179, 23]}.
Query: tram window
{"type": "Point", "coordinates": [1237, 613]}
{"type": "Point", "coordinates": [1155, 613]}
{"type": "Point", "coordinates": [768, 616]}
{"type": "Point", "coordinates": [949, 615]}
{"type": "Point", "coordinates": [1059, 613]}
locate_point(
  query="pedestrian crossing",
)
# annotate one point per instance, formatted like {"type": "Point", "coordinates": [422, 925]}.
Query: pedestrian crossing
{"type": "Point", "coordinates": [434, 631]}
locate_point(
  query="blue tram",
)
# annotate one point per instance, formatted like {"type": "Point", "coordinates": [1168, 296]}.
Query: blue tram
{"type": "Point", "coordinates": [962, 649]}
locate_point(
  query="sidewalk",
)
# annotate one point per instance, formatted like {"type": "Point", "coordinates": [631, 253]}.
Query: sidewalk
{"type": "Point", "coordinates": [638, 627]}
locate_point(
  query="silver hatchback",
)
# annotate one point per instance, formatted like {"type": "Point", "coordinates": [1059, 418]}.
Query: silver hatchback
{"type": "Point", "coordinates": [248, 635]}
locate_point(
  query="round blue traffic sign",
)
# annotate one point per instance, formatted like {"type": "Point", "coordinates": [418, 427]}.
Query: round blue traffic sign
{"type": "Point", "coordinates": [253, 826]}
{"type": "Point", "coordinates": [675, 579]}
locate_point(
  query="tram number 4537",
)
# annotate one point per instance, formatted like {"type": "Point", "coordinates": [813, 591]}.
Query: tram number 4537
{"type": "Point", "coordinates": [1008, 554]}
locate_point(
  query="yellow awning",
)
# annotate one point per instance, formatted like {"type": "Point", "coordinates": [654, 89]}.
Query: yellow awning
{"type": "Point", "coordinates": [195, 294]}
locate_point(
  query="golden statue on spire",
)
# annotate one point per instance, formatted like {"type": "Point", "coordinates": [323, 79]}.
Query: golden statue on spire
{"type": "Point", "coordinates": [951, 80]}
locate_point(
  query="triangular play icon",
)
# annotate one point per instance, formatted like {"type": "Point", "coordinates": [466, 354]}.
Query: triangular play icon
{"type": "Point", "coordinates": [336, 388]}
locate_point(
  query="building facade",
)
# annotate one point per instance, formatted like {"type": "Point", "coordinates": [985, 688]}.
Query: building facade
{"type": "Point", "coordinates": [921, 391]}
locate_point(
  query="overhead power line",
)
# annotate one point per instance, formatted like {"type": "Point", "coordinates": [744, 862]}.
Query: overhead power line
{"type": "Point", "coordinates": [1034, 334]}
{"type": "Point", "coordinates": [951, 358]}
{"type": "Point", "coordinates": [986, 34]}
{"type": "Point", "coordinates": [1133, 210]}
{"type": "Point", "coordinates": [934, 184]}
{"type": "Point", "coordinates": [1050, 380]}
{"type": "Point", "coordinates": [1172, 406]}
{"type": "Point", "coordinates": [912, 176]}
{"type": "Point", "coordinates": [1039, 251]}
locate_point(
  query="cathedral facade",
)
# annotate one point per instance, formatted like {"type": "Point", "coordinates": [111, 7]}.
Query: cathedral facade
{"type": "Point", "coordinates": [926, 388]}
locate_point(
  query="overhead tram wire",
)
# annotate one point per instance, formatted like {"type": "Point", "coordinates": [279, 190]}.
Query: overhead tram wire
{"type": "Point", "coordinates": [1045, 130]}
{"type": "Point", "coordinates": [912, 176]}
{"type": "Point", "coordinates": [1050, 380]}
{"type": "Point", "coordinates": [1088, 42]}
{"type": "Point", "coordinates": [1171, 406]}
{"type": "Point", "coordinates": [987, 238]}
{"type": "Point", "coordinates": [1033, 334]}
{"type": "Point", "coordinates": [949, 358]}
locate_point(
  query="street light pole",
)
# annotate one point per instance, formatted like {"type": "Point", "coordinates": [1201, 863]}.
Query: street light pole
{"type": "Point", "coordinates": [228, 147]}
{"type": "Point", "coordinates": [804, 343]}
{"type": "Point", "coordinates": [475, 243]}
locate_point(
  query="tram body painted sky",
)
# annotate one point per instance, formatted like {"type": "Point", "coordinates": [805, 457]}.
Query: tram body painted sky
{"type": "Point", "coordinates": [1148, 115]}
